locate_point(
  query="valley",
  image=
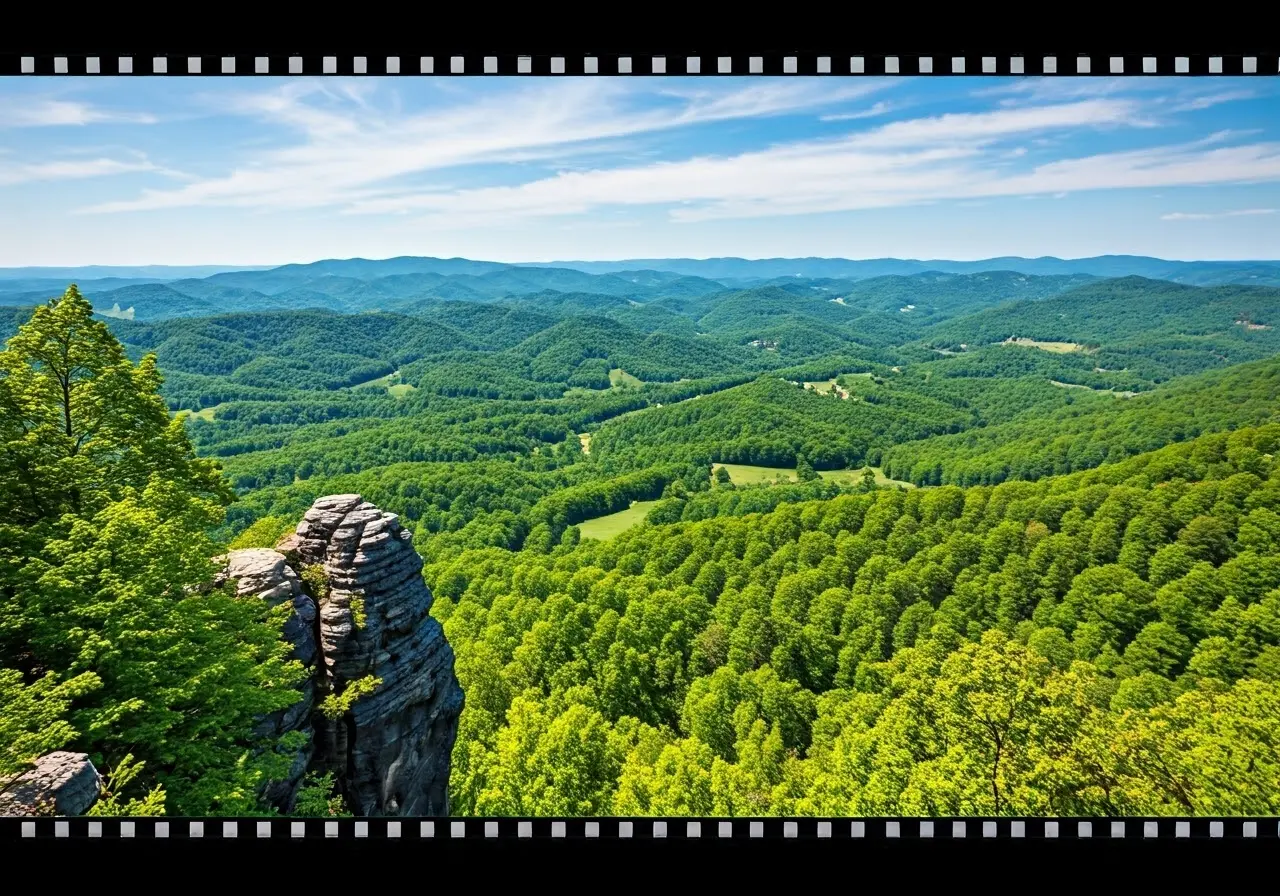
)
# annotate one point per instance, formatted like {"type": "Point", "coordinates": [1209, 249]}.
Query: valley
{"type": "Point", "coordinates": [707, 537]}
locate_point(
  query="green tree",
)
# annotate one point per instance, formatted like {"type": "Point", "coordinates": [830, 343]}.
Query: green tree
{"type": "Point", "coordinates": [81, 423]}
{"type": "Point", "coordinates": [868, 483]}
{"type": "Point", "coordinates": [804, 470]}
{"type": "Point", "coordinates": [112, 639]}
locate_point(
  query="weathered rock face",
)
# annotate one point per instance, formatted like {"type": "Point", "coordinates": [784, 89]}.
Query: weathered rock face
{"type": "Point", "coordinates": [392, 750]}
{"type": "Point", "coordinates": [265, 574]}
{"type": "Point", "coordinates": [60, 784]}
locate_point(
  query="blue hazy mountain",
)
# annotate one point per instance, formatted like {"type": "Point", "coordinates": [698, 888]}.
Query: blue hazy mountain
{"type": "Point", "coordinates": [402, 284]}
{"type": "Point", "coordinates": [647, 272]}
{"type": "Point", "coordinates": [742, 270]}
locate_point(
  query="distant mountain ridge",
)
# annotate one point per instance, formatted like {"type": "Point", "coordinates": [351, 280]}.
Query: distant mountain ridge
{"type": "Point", "coordinates": [913, 293]}
{"type": "Point", "coordinates": [649, 270]}
{"type": "Point", "coordinates": [1195, 272]}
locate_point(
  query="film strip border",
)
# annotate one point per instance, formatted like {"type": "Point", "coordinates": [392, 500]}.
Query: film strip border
{"type": "Point", "coordinates": [471, 829]}
{"type": "Point", "coordinates": [619, 64]}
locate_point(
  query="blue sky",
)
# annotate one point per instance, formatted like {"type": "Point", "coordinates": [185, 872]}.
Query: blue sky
{"type": "Point", "coordinates": [270, 171]}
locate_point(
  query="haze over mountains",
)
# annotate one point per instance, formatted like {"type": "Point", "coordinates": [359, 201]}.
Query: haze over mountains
{"type": "Point", "coordinates": [398, 284]}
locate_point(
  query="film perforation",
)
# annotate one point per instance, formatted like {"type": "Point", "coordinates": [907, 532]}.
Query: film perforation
{"type": "Point", "coordinates": [637, 829]}
{"type": "Point", "coordinates": [684, 64]}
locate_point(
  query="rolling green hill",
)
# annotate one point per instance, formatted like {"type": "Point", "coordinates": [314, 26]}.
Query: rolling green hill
{"type": "Point", "coordinates": [682, 573]}
{"type": "Point", "coordinates": [1086, 434]}
{"type": "Point", "coordinates": [1155, 328]}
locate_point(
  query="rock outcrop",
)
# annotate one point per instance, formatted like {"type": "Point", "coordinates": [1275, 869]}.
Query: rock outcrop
{"type": "Point", "coordinates": [61, 783]}
{"type": "Point", "coordinates": [361, 609]}
{"type": "Point", "coordinates": [392, 750]}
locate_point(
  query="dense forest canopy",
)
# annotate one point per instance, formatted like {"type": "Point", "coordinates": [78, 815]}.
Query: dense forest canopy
{"type": "Point", "coordinates": [880, 540]}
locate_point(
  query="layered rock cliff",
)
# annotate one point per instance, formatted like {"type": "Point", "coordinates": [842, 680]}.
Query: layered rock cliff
{"type": "Point", "coordinates": [391, 751]}
{"type": "Point", "coordinates": [360, 609]}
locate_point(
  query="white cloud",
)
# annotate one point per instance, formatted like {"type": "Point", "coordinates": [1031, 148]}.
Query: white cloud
{"type": "Point", "coordinates": [874, 111]}
{"type": "Point", "coordinates": [353, 154]}
{"type": "Point", "coordinates": [1208, 216]}
{"type": "Point", "coordinates": [72, 169]}
{"type": "Point", "coordinates": [34, 112]}
{"type": "Point", "coordinates": [901, 163]}
{"type": "Point", "coordinates": [347, 152]}
{"type": "Point", "coordinates": [1037, 90]}
{"type": "Point", "coordinates": [1205, 101]}
{"type": "Point", "coordinates": [989, 126]}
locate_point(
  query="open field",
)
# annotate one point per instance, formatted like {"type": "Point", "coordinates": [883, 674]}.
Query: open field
{"type": "Point", "coordinates": [1059, 348]}
{"type": "Point", "coordinates": [390, 382]}
{"type": "Point", "coordinates": [619, 377]}
{"type": "Point", "coordinates": [825, 386]}
{"type": "Point", "coordinates": [854, 477]}
{"type": "Point", "coordinates": [202, 414]}
{"type": "Point", "coordinates": [746, 474]}
{"type": "Point", "coordinates": [605, 527]}
{"type": "Point", "coordinates": [1125, 394]}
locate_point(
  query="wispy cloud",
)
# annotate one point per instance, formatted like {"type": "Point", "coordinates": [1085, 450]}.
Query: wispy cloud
{"type": "Point", "coordinates": [1045, 90]}
{"type": "Point", "coordinates": [875, 111]}
{"type": "Point", "coordinates": [1206, 101]}
{"type": "Point", "coordinates": [900, 163]}
{"type": "Point", "coordinates": [848, 176]}
{"type": "Point", "coordinates": [35, 112]}
{"type": "Point", "coordinates": [72, 169]}
{"type": "Point", "coordinates": [544, 151]}
{"type": "Point", "coordinates": [351, 151]}
{"type": "Point", "coordinates": [1208, 216]}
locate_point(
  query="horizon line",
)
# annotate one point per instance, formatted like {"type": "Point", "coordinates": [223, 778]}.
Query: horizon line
{"type": "Point", "coordinates": [711, 258]}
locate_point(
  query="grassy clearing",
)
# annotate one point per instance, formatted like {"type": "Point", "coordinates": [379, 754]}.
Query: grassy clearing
{"type": "Point", "coordinates": [1124, 394]}
{"type": "Point", "coordinates": [854, 477]}
{"type": "Point", "coordinates": [1058, 348]}
{"type": "Point", "coordinates": [390, 382]}
{"type": "Point", "coordinates": [825, 386]}
{"type": "Point", "coordinates": [746, 474]}
{"type": "Point", "coordinates": [619, 377]}
{"type": "Point", "coordinates": [606, 527]}
{"type": "Point", "coordinates": [202, 414]}
{"type": "Point", "coordinates": [585, 439]}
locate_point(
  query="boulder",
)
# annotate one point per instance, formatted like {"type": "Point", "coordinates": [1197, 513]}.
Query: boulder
{"type": "Point", "coordinates": [61, 783]}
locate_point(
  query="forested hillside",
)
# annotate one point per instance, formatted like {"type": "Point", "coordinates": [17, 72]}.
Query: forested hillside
{"type": "Point", "coordinates": [708, 539]}
{"type": "Point", "coordinates": [1107, 428]}
{"type": "Point", "coordinates": [1155, 328]}
{"type": "Point", "coordinates": [1104, 643]}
